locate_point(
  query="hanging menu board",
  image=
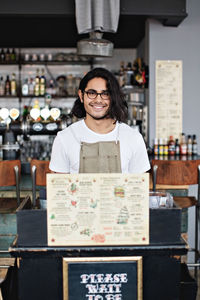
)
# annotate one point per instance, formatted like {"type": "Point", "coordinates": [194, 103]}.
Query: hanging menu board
{"type": "Point", "coordinates": [102, 278]}
{"type": "Point", "coordinates": [168, 98]}
{"type": "Point", "coordinates": [97, 209]}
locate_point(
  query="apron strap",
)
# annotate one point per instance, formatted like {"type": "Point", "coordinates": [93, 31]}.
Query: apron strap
{"type": "Point", "coordinates": [117, 135]}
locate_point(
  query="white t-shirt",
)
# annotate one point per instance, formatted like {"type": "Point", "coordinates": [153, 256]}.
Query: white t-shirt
{"type": "Point", "coordinates": [66, 147]}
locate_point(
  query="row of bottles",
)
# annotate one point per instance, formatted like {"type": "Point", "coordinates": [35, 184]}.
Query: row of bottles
{"type": "Point", "coordinates": [8, 86]}
{"type": "Point", "coordinates": [171, 147]}
{"type": "Point", "coordinates": [8, 55]}
{"type": "Point", "coordinates": [133, 74]}
{"type": "Point", "coordinates": [39, 86]}
{"type": "Point", "coordinates": [35, 86]}
{"type": "Point", "coordinates": [61, 86]}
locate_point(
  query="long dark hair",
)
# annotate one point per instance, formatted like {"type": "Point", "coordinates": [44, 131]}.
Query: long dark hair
{"type": "Point", "coordinates": [118, 108]}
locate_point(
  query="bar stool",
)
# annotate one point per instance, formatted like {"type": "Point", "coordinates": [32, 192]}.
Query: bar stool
{"type": "Point", "coordinates": [39, 169]}
{"type": "Point", "coordinates": [10, 171]}
{"type": "Point", "coordinates": [176, 173]}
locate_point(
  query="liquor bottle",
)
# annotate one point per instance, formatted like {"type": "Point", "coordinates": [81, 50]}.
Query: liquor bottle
{"type": "Point", "coordinates": [2, 55]}
{"type": "Point", "coordinates": [129, 74]}
{"type": "Point", "coordinates": [25, 90]}
{"type": "Point", "coordinates": [194, 145]}
{"type": "Point", "coordinates": [13, 55]}
{"type": "Point", "coordinates": [161, 148]}
{"type": "Point", "coordinates": [166, 148]}
{"type": "Point", "coordinates": [155, 147]}
{"type": "Point", "coordinates": [51, 90]}
{"type": "Point", "coordinates": [171, 145]}
{"type": "Point", "coordinates": [138, 72]}
{"type": "Point", "coordinates": [177, 147]}
{"type": "Point", "coordinates": [7, 55]}
{"type": "Point", "coordinates": [13, 85]}
{"type": "Point", "coordinates": [2, 86]}
{"type": "Point", "coordinates": [189, 145]}
{"type": "Point", "coordinates": [42, 84]}
{"type": "Point", "coordinates": [183, 145]}
{"type": "Point", "coordinates": [121, 74]}
{"type": "Point", "coordinates": [37, 84]}
{"type": "Point", "coordinates": [7, 86]}
{"type": "Point", "coordinates": [31, 86]}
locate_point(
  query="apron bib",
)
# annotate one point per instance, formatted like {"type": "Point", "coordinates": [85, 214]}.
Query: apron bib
{"type": "Point", "coordinates": [100, 157]}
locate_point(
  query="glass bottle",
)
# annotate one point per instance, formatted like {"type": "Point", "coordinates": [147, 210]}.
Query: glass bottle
{"type": "Point", "coordinates": [7, 55]}
{"type": "Point", "coordinates": [166, 148]}
{"type": "Point", "coordinates": [42, 84]}
{"type": "Point", "coordinates": [183, 145]}
{"type": "Point", "coordinates": [2, 55]}
{"type": "Point", "coordinates": [25, 90]}
{"type": "Point", "coordinates": [13, 85]}
{"type": "Point", "coordinates": [171, 146]}
{"type": "Point", "coordinates": [194, 145]}
{"type": "Point", "coordinates": [161, 148]}
{"type": "Point", "coordinates": [31, 86]}
{"type": "Point", "coordinates": [155, 147]}
{"type": "Point", "coordinates": [121, 74]}
{"type": "Point", "coordinates": [7, 86]}
{"type": "Point", "coordinates": [2, 86]}
{"type": "Point", "coordinates": [37, 84]}
{"type": "Point", "coordinates": [13, 55]}
{"type": "Point", "coordinates": [189, 145]}
{"type": "Point", "coordinates": [129, 74]}
{"type": "Point", "coordinates": [177, 147]}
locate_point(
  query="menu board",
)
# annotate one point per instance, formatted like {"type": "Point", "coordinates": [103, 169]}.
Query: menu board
{"type": "Point", "coordinates": [97, 209]}
{"type": "Point", "coordinates": [168, 98]}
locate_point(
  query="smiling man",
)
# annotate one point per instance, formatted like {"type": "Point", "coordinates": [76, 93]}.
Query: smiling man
{"type": "Point", "coordinates": [101, 142]}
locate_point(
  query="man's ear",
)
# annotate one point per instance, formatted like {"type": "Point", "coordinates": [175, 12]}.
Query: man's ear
{"type": "Point", "coordinates": [80, 94]}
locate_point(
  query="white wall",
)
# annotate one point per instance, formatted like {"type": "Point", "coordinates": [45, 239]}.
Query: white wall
{"type": "Point", "coordinates": [181, 43]}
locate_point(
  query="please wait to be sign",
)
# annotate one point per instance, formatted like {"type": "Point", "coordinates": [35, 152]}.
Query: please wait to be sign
{"type": "Point", "coordinates": [103, 278]}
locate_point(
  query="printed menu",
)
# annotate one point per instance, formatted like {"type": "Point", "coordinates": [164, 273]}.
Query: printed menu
{"type": "Point", "coordinates": [168, 98]}
{"type": "Point", "coordinates": [97, 209]}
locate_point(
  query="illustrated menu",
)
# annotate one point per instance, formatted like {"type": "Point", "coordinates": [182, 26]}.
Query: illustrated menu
{"type": "Point", "coordinates": [97, 209]}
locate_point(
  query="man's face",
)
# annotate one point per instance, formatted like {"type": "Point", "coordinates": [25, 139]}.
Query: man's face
{"type": "Point", "coordinates": [96, 108]}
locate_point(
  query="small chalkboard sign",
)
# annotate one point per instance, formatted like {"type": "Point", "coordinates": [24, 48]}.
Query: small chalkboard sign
{"type": "Point", "coordinates": [102, 278]}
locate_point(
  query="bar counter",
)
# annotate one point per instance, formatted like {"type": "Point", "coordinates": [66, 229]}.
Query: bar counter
{"type": "Point", "coordinates": [40, 269]}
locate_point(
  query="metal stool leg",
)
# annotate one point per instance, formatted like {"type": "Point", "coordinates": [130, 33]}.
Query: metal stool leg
{"type": "Point", "coordinates": [154, 177]}
{"type": "Point", "coordinates": [33, 174]}
{"type": "Point", "coordinates": [16, 169]}
{"type": "Point", "coordinates": [197, 225]}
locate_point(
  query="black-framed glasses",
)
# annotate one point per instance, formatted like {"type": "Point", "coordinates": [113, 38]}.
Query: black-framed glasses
{"type": "Point", "coordinates": [92, 94]}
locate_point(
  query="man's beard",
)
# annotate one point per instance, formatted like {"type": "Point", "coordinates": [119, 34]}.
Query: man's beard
{"type": "Point", "coordinates": [106, 116]}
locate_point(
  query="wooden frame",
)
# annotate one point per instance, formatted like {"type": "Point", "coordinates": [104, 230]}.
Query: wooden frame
{"type": "Point", "coordinates": [131, 259]}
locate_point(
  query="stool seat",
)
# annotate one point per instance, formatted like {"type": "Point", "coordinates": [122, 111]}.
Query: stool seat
{"type": "Point", "coordinates": [181, 172]}
{"type": "Point", "coordinates": [39, 169]}
{"type": "Point", "coordinates": [185, 202]}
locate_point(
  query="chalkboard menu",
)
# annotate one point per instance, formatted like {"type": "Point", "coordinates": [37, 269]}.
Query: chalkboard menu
{"type": "Point", "coordinates": [103, 278]}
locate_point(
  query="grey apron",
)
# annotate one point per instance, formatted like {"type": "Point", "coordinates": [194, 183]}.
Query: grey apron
{"type": "Point", "coordinates": [100, 157]}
